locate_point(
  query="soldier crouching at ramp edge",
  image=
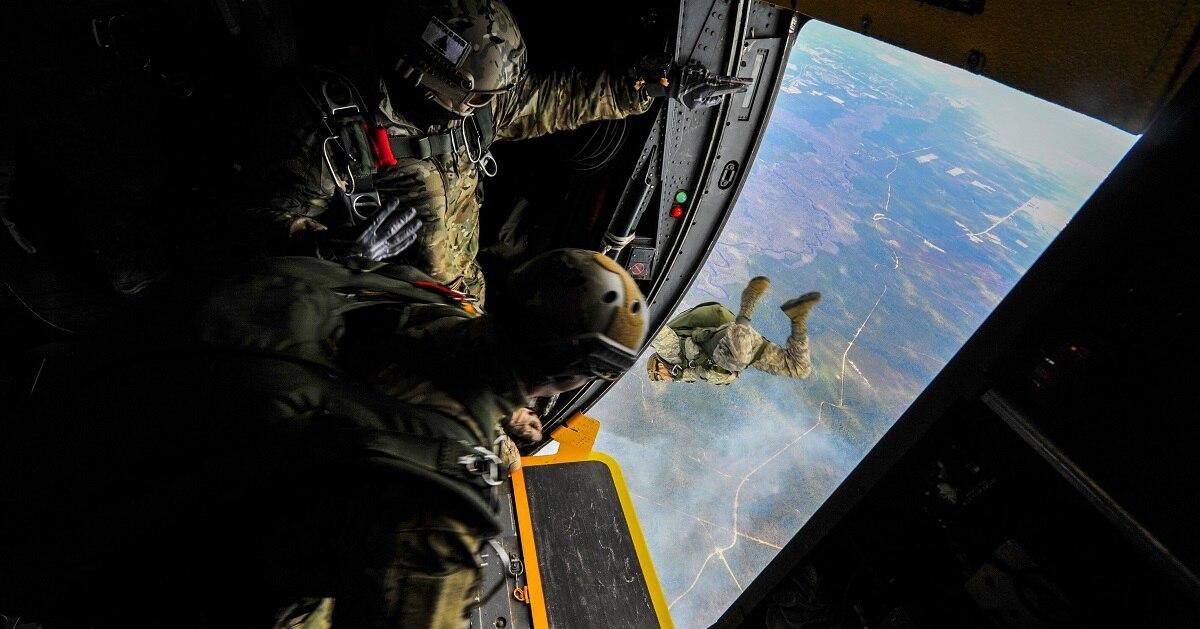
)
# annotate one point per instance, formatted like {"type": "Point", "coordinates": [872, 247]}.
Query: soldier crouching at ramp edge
{"type": "Point", "coordinates": [709, 343]}
{"type": "Point", "coordinates": [321, 449]}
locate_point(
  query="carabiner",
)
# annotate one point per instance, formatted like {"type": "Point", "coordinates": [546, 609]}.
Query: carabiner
{"type": "Point", "coordinates": [344, 184]}
{"type": "Point", "coordinates": [485, 465]}
{"type": "Point", "coordinates": [478, 153]}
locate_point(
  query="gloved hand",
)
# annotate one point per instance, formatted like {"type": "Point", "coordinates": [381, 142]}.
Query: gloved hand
{"type": "Point", "coordinates": [523, 426]}
{"type": "Point", "coordinates": [389, 233]}
{"type": "Point", "coordinates": [691, 84]}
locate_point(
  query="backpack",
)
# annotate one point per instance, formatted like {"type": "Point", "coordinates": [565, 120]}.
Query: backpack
{"type": "Point", "coordinates": [292, 307]}
{"type": "Point", "coordinates": [705, 325]}
{"type": "Point", "coordinates": [289, 309]}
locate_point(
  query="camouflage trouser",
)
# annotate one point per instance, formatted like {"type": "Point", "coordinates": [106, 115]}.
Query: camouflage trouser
{"type": "Point", "coordinates": [426, 575]}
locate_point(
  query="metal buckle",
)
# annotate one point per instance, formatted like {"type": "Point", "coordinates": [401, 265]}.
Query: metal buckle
{"type": "Point", "coordinates": [514, 566]}
{"type": "Point", "coordinates": [487, 165]}
{"type": "Point", "coordinates": [336, 108]}
{"type": "Point", "coordinates": [363, 206]}
{"type": "Point", "coordinates": [485, 464]}
{"type": "Point", "coordinates": [676, 371]}
{"type": "Point", "coordinates": [483, 160]}
{"type": "Point", "coordinates": [478, 153]}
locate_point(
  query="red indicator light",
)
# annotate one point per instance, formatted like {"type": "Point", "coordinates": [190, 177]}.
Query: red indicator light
{"type": "Point", "coordinates": [677, 211]}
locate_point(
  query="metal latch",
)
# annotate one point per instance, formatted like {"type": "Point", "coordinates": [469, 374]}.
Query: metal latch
{"type": "Point", "coordinates": [485, 464]}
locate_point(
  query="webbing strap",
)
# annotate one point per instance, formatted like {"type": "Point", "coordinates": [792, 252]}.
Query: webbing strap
{"type": "Point", "coordinates": [487, 127]}
{"type": "Point", "coordinates": [424, 148]}
{"type": "Point", "coordinates": [449, 142]}
{"type": "Point", "coordinates": [437, 456]}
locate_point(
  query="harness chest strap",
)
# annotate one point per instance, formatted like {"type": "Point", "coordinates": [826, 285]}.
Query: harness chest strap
{"type": "Point", "coordinates": [366, 149]}
{"type": "Point", "coordinates": [447, 143]}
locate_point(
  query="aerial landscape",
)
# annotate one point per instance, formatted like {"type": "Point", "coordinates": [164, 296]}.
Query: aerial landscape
{"type": "Point", "coordinates": [913, 195]}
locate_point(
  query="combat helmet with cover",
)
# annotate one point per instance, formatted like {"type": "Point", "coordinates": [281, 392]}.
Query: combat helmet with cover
{"type": "Point", "coordinates": [574, 314]}
{"type": "Point", "coordinates": [463, 52]}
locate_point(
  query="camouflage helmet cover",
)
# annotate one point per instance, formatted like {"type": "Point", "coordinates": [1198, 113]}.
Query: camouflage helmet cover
{"type": "Point", "coordinates": [577, 313]}
{"type": "Point", "coordinates": [463, 51]}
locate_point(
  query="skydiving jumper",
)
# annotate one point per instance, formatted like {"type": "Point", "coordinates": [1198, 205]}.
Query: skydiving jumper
{"type": "Point", "coordinates": [709, 343]}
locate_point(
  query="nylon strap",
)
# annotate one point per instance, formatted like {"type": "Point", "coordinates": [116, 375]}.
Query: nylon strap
{"type": "Point", "coordinates": [423, 148]}
{"type": "Point", "coordinates": [437, 456]}
{"type": "Point", "coordinates": [446, 143]}
{"type": "Point", "coordinates": [487, 127]}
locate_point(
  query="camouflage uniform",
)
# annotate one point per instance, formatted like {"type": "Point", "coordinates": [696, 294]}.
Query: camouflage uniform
{"type": "Point", "coordinates": [313, 485]}
{"type": "Point", "coordinates": [735, 346]}
{"type": "Point", "coordinates": [419, 565]}
{"type": "Point", "coordinates": [445, 189]}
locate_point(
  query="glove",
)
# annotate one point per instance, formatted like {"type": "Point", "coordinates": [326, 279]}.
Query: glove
{"type": "Point", "coordinates": [523, 426]}
{"type": "Point", "coordinates": [692, 84]}
{"type": "Point", "coordinates": [390, 232]}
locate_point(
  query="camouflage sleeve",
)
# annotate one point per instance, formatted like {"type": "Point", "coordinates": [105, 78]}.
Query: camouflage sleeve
{"type": "Point", "coordinates": [287, 176]}
{"type": "Point", "coordinates": [792, 360]}
{"type": "Point", "coordinates": [301, 182]}
{"type": "Point", "coordinates": [565, 100]}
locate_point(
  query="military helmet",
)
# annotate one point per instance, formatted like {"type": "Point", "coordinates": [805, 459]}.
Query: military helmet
{"type": "Point", "coordinates": [575, 312]}
{"type": "Point", "coordinates": [464, 52]}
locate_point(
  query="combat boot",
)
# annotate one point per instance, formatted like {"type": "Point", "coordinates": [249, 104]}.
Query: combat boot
{"type": "Point", "coordinates": [797, 310]}
{"type": "Point", "coordinates": [750, 296]}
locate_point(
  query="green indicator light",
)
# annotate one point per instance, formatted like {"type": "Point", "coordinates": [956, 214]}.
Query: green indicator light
{"type": "Point", "coordinates": [681, 196]}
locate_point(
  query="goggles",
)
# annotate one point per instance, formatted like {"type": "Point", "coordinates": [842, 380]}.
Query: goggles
{"type": "Point", "coordinates": [594, 355]}
{"type": "Point", "coordinates": [458, 100]}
